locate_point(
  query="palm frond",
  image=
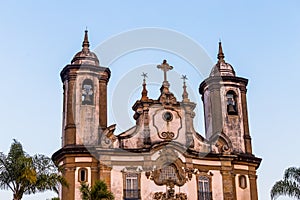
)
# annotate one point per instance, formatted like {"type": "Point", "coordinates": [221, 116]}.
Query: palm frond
{"type": "Point", "coordinates": [285, 187]}
{"type": "Point", "coordinates": [292, 173]}
{"type": "Point", "coordinates": [25, 174]}
{"type": "Point", "coordinates": [85, 191]}
{"type": "Point", "coordinates": [98, 191]}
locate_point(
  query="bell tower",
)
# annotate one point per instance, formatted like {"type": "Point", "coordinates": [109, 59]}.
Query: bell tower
{"type": "Point", "coordinates": [225, 105]}
{"type": "Point", "coordinates": [85, 98]}
{"type": "Point", "coordinates": [84, 119]}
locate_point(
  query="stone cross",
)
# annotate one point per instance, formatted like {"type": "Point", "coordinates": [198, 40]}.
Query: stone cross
{"type": "Point", "coordinates": [165, 67]}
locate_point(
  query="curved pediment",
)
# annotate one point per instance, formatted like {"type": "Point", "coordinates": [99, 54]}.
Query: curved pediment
{"type": "Point", "coordinates": [221, 143]}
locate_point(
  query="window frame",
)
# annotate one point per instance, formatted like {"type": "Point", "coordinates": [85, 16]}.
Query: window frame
{"type": "Point", "coordinates": [130, 193]}
{"type": "Point", "coordinates": [80, 170]}
{"type": "Point", "coordinates": [209, 192]}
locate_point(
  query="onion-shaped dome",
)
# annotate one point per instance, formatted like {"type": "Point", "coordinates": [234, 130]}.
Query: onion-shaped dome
{"type": "Point", "coordinates": [222, 68]}
{"type": "Point", "coordinates": [85, 56]}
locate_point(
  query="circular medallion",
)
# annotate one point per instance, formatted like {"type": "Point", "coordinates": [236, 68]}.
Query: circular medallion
{"type": "Point", "coordinates": [167, 116]}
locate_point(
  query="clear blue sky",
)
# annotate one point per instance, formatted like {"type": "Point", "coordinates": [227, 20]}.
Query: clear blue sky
{"type": "Point", "coordinates": [261, 39]}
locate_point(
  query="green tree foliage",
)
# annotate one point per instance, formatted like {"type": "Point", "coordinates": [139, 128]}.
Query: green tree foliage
{"type": "Point", "coordinates": [24, 174]}
{"type": "Point", "coordinates": [96, 192]}
{"type": "Point", "coordinates": [289, 185]}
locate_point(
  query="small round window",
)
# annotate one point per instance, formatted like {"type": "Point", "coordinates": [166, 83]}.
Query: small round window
{"type": "Point", "coordinates": [167, 116]}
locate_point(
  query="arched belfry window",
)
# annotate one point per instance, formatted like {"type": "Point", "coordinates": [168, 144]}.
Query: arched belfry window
{"type": "Point", "coordinates": [231, 103]}
{"type": "Point", "coordinates": [87, 92]}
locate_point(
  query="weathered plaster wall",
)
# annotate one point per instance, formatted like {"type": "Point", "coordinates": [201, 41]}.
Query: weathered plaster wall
{"type": "Point", "coordinates": [117, 181]}
{"type": "Point", "coordinates": [77, 183]}
{"type": "Point", "coordinates": [242, 194]}
{"type": "Point", "coordinates": [217, 184]}
{"type": "Point", "coordinates": [86, 116]}
{"type": "Point", "coordinates": [207, 114]}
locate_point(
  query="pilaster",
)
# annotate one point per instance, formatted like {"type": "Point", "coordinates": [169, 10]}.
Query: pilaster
{"type": "Point", "coordinates": [253, 183]}
{"type": "Point", "coordinates": [70, 128]}
{"type": "Point", "coordinates": [216, 108]}
{"type": "Point", "coordinates": [105, 173]}
{"type": "Point", "coordinates": [68, 192]}
{"type": "Point", "coordinates": [228, 179]}
{"type": "Point", "coordinates": [102, 102]}
{"type": "Point", "coordinates": [247, 137]}
{"type": "Point", "coordinates": [95, 168]}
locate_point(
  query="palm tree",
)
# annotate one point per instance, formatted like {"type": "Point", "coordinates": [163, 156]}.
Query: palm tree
{"type": "Point", "coordinates": [289, 185]}
{"type": "Point", "coordinates": [23, 174]}
{"type": "Point", "coordinates": [97, 192]}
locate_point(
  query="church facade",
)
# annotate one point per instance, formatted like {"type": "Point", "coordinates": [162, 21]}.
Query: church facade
{"type": "Point", "coordinates": [162, 157]}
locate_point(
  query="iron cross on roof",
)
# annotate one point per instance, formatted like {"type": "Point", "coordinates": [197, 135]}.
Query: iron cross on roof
{"type": "Point", "coordinates": [165, 67]}
{"type": "Point", "coordinates": [145, 75]}
{"type": "Point", "coordinates": [184, 78]}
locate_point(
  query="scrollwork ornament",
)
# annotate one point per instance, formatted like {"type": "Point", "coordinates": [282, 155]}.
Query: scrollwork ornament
{"type": "Point", "coordinates": [167, 135]}
{"type": "Point", "coordinates": [225, 148]}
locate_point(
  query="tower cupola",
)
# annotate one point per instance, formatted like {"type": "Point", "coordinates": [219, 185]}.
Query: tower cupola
{"type": "Point", "coordinates": [85, 56]}
{"type": "Point", "coordinates": [222, 68]}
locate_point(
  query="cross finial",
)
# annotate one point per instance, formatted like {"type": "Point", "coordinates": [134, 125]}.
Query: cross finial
{"type": "Point", "coordinates": [185, 95]}
{"type": "Point", "coordinates": [144, 92]}
{"type": "Point", "coordinates": [85, 43]}
{"type": "Point", "coordinates": [184, 78]}
{"type": "Point", "coordinates": [220, 53]}
{"type": "Point", "coordinates": [145, 75]}
{"type": "Point", "coordinates": [165, 67]}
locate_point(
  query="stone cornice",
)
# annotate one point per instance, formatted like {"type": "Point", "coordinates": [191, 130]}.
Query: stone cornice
{"type": "Point", "coordinates": [67, 73]}
{"type": "Point", "coordinates": [218, 81]}
{"type": "Point", "coordinates": [70, 149]}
